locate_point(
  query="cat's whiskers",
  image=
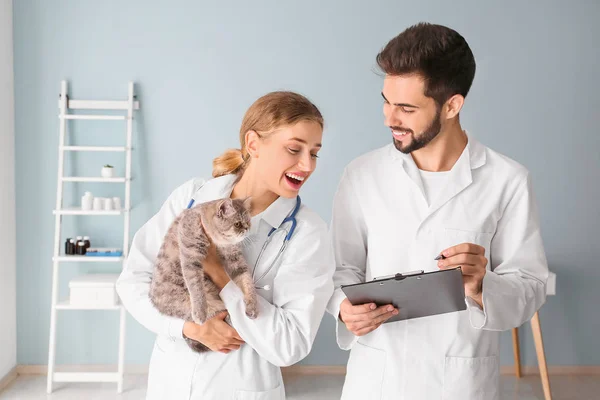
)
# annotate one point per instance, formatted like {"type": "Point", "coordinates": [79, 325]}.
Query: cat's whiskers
{"type": "Point", "coordinates": [249, 240]}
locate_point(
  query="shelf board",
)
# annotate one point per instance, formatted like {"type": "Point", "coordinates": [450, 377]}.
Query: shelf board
{"type": "Point", "coordinates": [65, 305]}
{"type": "Point", "coordinates": [75, 104]}
{"type": "Point", "coordinates": [87, 259]}
{"type": "Point", "coordinates": [93, 179]}
{"type": "Point", "coordinates": [93, 117]}
{"type": "Point", "coordinates": [95, 148]}
{"type": "Point", "coordinates": [79, 211]}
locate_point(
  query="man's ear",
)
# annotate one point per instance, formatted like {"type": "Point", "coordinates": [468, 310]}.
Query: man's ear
{"type": "Point", "coordinates": [454, 105]}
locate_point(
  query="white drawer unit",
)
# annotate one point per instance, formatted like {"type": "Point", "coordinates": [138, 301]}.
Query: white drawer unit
{"type": "Point", "coordinates": [95, 290]}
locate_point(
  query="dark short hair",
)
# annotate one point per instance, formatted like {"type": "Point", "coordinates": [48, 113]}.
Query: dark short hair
{"type": "Point", "coordinates": [437, 53]}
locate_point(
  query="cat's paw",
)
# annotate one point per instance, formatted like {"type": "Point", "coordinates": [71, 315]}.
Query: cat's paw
{"type": "Point", "coordinates": [214, 313]}
{"type": "Point", "coordinates": [252, 310]}
{"type": "Point", "coordinates": [199, 318]}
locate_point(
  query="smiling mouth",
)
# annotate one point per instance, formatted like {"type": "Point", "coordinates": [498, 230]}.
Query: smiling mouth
{"type": "Point", "coordinates": [294, 180]}
{"type": "Point", "coordinates": [400, 134]}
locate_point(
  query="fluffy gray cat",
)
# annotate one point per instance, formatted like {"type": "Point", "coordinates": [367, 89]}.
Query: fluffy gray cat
{"type": "Point", "coordinates": [179, 287]}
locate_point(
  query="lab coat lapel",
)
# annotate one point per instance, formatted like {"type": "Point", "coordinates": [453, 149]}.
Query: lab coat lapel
{"type": "Point", "coordinates": [461, 177]}
{"type": "Point", "coordinates": [412, 171]}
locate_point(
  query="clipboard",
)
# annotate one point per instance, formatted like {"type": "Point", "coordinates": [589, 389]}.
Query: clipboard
{"type": "Point", "coordinates": [415, 294]}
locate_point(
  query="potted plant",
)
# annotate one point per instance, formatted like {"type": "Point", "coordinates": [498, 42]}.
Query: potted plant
{"type": "Point", "coordinates": [107, 171]}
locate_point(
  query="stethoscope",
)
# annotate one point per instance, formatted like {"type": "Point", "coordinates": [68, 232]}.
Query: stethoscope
{"type": "Point", "coordinates": [291, 218]}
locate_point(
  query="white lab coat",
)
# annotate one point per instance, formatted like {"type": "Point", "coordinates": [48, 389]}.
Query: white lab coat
{"type": "Point", "coordinates": [382, 224]}
{"type": "Point", "coordinates": [289, 314]}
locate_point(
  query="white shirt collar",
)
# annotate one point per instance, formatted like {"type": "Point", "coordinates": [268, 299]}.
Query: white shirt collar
{"type": "Point", "coordinates": [474, 152]}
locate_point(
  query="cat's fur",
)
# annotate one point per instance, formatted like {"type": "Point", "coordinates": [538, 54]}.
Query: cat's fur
{"type": "Point", "coordinates": [179, 287]}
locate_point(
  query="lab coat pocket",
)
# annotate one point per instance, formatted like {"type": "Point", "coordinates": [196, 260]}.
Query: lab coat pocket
{"type": "Point", "coordinates": [272, 394]}
{"type": "Point", "coordinates": [157, 375]}
{"type": "Point", "coordinates": [364, 376]}
{"type": "Point", "coordinates": [170, 371]}
{"type": "Point", "coordinates": [468, 378]}
{"type": "Point", "coordinates": [454, 237]}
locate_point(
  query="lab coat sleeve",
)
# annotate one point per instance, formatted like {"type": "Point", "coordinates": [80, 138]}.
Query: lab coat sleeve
{"type": "Point", "coordinates": [283, 332]}
{"type": "Point", "coordinates": [133, 284]}
{"type": "Point", "coordinates": [349, 238]}
{"type": "Point", "coordinates": [515, 288]}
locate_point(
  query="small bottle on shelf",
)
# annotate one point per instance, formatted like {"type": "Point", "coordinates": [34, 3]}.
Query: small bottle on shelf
{"type": "Point", "coordinates": [72, 248]}
{"type": "Point", "coordinates": [67, 246]}
{"type": "Point", "coordinates": [86, 240]}
{"type": "Point", "coordinates": [87, 201]}
{"type": "Point", "coordinates": [81, 248]}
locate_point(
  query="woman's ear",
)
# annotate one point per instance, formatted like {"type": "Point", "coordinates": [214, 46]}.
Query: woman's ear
{"type": "Point", "coordinates": [252, 143]}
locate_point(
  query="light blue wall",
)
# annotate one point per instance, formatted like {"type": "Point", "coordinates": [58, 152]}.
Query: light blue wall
{"type": "Point", "coordinates": [199, 66]}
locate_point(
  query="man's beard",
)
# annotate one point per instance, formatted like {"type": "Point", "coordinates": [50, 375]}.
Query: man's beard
{"type": "Point", "coordinates": [418, 142]}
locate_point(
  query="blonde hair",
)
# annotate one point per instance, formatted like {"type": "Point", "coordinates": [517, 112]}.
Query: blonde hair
{"type": "Point", "coordinates": [267, 114]}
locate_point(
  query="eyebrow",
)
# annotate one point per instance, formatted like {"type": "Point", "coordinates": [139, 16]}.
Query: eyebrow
{"type": "Point", "coordinates": [400, 104]}
{"type": "Point", "coordinates": [304, 141]}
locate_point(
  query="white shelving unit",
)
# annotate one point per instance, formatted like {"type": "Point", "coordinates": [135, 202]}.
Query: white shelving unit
{"type": "Point", "coordinates": [65, 105]}
{"type": "Point", "coordinates": [79, 211]}
{"type": "Point", "coordinates": [87, 259]}
{"type": "Point", "coordinates": [93, 179]}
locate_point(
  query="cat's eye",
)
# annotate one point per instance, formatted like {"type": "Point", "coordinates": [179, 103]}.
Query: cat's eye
{"type": "Point", "coordinates": [238, 225]}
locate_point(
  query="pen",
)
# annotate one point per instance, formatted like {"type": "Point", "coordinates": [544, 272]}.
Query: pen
{"type": "Point", "coordinates": [440, 257]}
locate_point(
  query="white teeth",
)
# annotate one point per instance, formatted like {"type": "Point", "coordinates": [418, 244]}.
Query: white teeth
{"type": "Point", "coordinates": [397, 133]}
{"type": "Point", "coordinates": [295, 177]}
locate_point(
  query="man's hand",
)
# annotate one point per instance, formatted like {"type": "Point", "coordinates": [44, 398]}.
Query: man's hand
{"type": "Point", "coordinates": [215, 334]}
{"type": "Point", "coordinates": [364, 318]}
{"type": "Point", "coordinates": [471, 258]}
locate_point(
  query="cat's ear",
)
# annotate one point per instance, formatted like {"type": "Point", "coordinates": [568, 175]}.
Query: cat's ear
{"type": "Point", "coordinates": [248, 203]}
{"type": "Point", "coordinates": [225, 208]}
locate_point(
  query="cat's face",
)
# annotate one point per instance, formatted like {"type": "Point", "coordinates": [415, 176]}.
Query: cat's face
{"type": "Point", "coordinates": [232, 220]}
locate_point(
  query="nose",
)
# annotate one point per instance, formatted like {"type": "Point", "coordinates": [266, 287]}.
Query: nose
{"type": "Point", "coordinates": [390, 118]}
{"type": "Point", "coordinates": [306, 163]}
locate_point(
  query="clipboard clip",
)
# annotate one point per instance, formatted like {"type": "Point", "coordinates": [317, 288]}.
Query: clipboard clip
{"type": "Point", "coordinates": [399, 276]}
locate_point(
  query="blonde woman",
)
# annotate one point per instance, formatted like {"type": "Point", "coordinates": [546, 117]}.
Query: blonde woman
{"type": "Point", "coordinates": [280, 138]}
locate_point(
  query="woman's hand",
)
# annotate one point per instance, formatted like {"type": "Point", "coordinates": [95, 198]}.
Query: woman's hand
{"type": "Point", "coordinates": [215, 334]}
{"type": "Point", "coordinates": [214, 269]}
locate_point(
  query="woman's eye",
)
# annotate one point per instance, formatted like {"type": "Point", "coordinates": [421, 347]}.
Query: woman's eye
{"type": "Point", "coordinates": [293, 151]}
{"type": "Point", "coordinates": [314, 156]}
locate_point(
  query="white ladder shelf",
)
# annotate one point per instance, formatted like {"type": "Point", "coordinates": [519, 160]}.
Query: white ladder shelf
{"type": "Point", "coordinates": [65, 104]}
